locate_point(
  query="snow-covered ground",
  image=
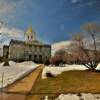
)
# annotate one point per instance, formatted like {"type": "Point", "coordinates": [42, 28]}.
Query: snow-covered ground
{"type": "Point", "coordinates": [58, 70]}
{"type": "Point", "coordinates": [82, 96]}
{"type": "Point", "coordinates": [15, 71]}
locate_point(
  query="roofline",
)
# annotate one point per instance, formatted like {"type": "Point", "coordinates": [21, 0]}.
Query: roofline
{"type": "Point", "coordinates": [23, 42]}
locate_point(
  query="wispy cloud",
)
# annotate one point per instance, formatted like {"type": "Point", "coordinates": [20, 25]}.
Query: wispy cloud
{"type": "Point", "coordinates": [80, 2]}
{"type": "Point", "coordinates": [11, 32]}
{"type": "Point", "coordinates": [89, 3]}
{"type": "Point", "coordinates": [8, 8]}
{"type": "Point", "coordinates": [8, 11]}
{"type": "Point", "coordinates": [74, 1]}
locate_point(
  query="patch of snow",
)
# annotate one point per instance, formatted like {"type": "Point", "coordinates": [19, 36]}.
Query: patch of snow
{"type": "Point", "coordinates": [88, 96]}
{"type": "Point", "coordinates": [12, 63]}
{"type": "Point", "coordinates": [68, 97]}
{"type": "Point", "coordinates": [46, 98]}
{"type": "Point", "coordinates": [58, 70]}
{"type": "Point", "coordinates": [83, 96]}
{"type": "Point", "coordinates": [1, 64]}
{"type": "Point", "coordinates": [15, 71]}
{"type": "Point", "coordinates": [98, 67]}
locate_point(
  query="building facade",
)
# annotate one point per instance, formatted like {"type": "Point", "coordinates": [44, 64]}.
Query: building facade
{"type": "Point", "coordinates": [29, 50]}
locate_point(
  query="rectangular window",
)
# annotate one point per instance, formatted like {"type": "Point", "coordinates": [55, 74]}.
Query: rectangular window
{"type": "Point", "coordinates": [40, 48]}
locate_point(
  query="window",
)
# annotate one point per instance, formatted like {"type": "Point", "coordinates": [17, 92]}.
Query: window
{"type": "Point", "coordinates": [31, 37]}
{"type": "Point", "coordinates": [40, 48]}
{"type": "Point", "coordinates": [40, 58]}
{"type": "Point", "coordinates": [35, 48]}
{"type": "Point", "coordinates": [35, 58]}
{"type": "Point", "coordinates": [28, 37]}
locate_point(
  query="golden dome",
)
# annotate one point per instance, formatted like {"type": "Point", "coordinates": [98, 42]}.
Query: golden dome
{"type": "Point", "coordinates": [30, 30]}
{"type": "Point", "coordinates": [30, 34]}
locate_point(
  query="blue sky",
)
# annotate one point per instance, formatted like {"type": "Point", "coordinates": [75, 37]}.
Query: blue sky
{"type": "Point", "coordinates": [52, 20]}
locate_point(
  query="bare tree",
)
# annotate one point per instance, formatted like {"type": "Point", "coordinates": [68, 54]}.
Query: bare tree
{"type": "Point", "coordinates": [5, 59]}
{"type": "Point", "coordinates": [88, 57]}
{"type": "Point", "coordinates": [58, 58]}
{"type": "Point", "coordinates": [60, 52]}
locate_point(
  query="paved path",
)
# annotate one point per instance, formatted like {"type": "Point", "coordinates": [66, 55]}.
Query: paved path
{"type": "Point", "coordinates": [22, 86]}
{"type": "Point", "coordinates": [12, 97]}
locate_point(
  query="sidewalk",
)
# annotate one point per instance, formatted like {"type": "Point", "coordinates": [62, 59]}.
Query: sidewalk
{"type": "Point", "coordinates": [22, 86]}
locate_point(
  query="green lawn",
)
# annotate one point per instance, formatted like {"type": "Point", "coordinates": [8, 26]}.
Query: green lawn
{"type": "Point", "coordinates": [69, 82]}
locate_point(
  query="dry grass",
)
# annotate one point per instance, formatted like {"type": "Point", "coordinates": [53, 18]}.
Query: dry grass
{"type": "Point", "coordinates": [68, 82]}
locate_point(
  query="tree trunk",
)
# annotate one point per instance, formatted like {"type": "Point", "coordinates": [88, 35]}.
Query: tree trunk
{"type": "Point", "coordinates": [91, 65]}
